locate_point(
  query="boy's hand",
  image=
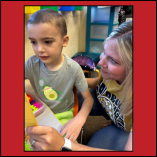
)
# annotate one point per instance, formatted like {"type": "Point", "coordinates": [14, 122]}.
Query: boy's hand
{"type": "Point", "coordinates": [72, 128]}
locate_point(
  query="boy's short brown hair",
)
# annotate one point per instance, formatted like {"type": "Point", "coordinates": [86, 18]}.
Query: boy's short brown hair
{"type": "Point", "coordinates": [49, 16]}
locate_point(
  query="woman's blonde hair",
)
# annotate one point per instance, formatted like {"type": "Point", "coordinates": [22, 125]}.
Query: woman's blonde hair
{"type": "Point", "coordinates": [123, 37]}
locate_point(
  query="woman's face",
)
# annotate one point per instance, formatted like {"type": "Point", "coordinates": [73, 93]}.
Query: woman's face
{"type": "Point", "coordinates": [111, 65]}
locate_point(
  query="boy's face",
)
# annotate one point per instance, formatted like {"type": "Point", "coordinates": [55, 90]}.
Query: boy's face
{"type": "Point", "coordinates": [47, 42]}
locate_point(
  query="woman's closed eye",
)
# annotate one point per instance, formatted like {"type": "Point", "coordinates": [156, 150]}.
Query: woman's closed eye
{"type": "Point", "coordinates": [102, 54]}
{"type": "Point", "coordinates": [113, 61]}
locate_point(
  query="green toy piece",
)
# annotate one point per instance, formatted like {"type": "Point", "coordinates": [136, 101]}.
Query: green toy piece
{"type": "Point", "coordinates": [27, 147]}
{"type": "Point", "coordinates": [33, 108]}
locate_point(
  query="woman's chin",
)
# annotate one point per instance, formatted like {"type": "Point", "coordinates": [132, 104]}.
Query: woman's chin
{"type": "Point", "coordinates": [105, 76]}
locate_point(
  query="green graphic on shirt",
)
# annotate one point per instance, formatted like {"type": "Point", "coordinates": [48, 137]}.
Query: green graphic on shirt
{"type": "Point", "coordinates": [51, 94]}
{"type": "Point", "coordinates": [41, 83]}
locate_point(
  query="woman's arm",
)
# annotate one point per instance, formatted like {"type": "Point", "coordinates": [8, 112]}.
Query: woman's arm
{"type": "Point", "coordinates": [92, 82]}
{"type": "Point", "coordinates": [48, 139]}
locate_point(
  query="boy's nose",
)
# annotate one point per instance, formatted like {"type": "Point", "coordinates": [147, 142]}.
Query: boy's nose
{"type": "Point", "coordinates": [40, 49]}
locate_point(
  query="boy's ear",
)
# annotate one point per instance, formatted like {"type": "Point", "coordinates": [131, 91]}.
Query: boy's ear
{"type": "Point", "coordinates": [65, 41]}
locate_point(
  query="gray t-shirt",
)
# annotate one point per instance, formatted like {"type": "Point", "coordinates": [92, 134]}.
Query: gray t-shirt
{"type": "Point", "coordinates": [55, 88]}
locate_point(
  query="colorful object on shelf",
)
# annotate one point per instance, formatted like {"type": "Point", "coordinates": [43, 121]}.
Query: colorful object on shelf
{"type": "Point", "coordinates": [78, 7]}
{"type": "Point", "coordinates": [32, 102]}
{"type": "Point", "coordinates": [34, 105]}
{"type": "Point", "coordinates": [27, 147]}
{"type": "Point", "coordinates": [66, 8]}
{"type": "Point", "coordinates": [31, 9]}
{"type": "Point", "coordinates": [55, 8]}
{"type": "Point", "coordinates": [29, 98]}
{"type": "Point", "coordinates": [37, 105]}
{"type": "Point", "coordinates": [86, 60]}
{"type": "Point", "coordinates": [33, 108]}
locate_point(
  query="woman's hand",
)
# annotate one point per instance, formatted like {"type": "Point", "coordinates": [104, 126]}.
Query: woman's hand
{"type": "Point", "coordinates": [47, 138]}
{"type": "Point", "coordinates": [72, 128]}
{"type": "Point", "coordinates": [26, 133]}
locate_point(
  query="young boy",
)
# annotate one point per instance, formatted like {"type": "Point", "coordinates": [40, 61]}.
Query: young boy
{"type": "Point", "coordinates": [52, 74]}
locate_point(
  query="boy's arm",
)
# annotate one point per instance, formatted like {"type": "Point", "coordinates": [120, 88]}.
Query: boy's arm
{"type": "Point", "coordinates": [86, 106]}
{"type": "Point", "coordinates": [92, 82]}
{"type": "Point", "coordinates": [73, 127]}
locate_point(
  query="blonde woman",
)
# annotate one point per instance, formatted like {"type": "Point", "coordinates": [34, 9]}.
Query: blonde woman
{"type": "Point", "coordinates": [112, 93]}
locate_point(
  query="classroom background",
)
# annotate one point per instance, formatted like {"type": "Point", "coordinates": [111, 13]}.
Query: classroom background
{"type": "Point", "coordinates": [87, 28]}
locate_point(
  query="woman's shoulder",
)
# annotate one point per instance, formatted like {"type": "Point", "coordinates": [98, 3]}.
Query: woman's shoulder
{"type": "Point", "coordinates": [107, 82]}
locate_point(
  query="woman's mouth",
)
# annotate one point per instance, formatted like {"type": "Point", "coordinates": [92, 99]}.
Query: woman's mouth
{"type": "Point", "coordinates": [103, 71]}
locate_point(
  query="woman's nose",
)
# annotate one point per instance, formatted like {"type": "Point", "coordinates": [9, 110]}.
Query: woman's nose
{"type": "Point", "coordinates": [102, 62]}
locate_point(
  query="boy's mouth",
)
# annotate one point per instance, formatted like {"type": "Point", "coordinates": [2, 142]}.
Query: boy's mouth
{"type": "Point", "coordinates": [44, 57]}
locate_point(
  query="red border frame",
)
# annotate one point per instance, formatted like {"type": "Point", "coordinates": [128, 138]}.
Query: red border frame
{"type": "Point", "coordinates": [12, 78]}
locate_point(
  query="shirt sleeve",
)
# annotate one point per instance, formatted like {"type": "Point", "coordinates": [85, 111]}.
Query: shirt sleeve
{"type": "Point", "coordinates": [28, 67]}
{"type": "Point", "coordinates": [80, 80]}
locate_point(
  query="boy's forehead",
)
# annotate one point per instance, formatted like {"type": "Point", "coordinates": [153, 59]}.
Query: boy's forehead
{"type": "Point", "coordinates": [43, 30]}
{"type": "Point", "coordinates": [42, 24]}
{"type": "Point", "coordinates": [43, 27]}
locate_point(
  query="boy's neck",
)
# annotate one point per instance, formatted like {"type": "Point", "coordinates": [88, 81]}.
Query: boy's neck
{"type": "Point", "coordinates": [55, 65]}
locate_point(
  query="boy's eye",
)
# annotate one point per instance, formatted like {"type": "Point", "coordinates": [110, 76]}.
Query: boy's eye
{"type": "Point", "coordinates": [33, 42]}
{"type": "Point", "coordinates": [48, 42]}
